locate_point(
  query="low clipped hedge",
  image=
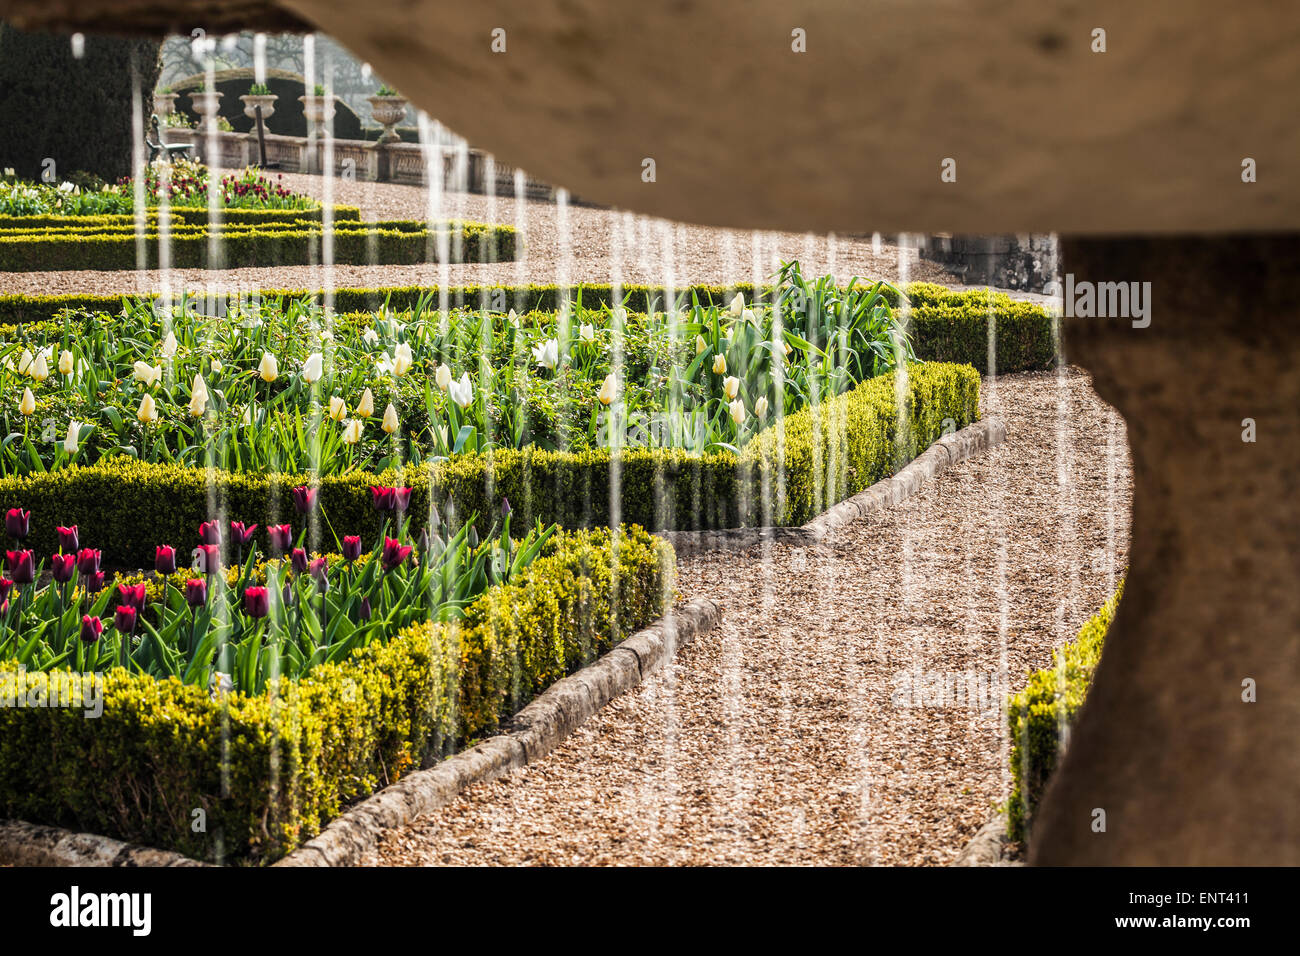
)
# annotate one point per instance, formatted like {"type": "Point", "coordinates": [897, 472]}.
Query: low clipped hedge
{"type": "Point", "coordinates": [115, 248]}
{"type": "Point", "coordinates": [268, 772]}
{"type": "Point", "coordinates": [183, 215]}
{"type": "Point", "coordinates": [1037, 715]}
{"type": "Point", "coordinates": [945, 326]}
{"type": "Point", "coordinates": [829, 452]}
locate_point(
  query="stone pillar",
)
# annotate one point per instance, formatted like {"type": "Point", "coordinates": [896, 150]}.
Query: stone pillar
{"type": "Point", "coordinates": [1184, 770]}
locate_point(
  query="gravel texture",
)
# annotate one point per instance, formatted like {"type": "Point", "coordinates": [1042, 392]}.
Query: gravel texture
{"type": "Point", "coordinates": [776, 738]}
{"type": "Point", "coordinates": [602, 244]}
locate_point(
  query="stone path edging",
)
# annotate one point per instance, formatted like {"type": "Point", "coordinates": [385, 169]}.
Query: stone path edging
{"type": "Point", "coordinates": [988, 847]}
{"type": "Point", "coordinates": [944, 453]}
{"type": "Point", "coordinates": [30, 844]}
{"type": "Point", "coordinates": [533, 732]}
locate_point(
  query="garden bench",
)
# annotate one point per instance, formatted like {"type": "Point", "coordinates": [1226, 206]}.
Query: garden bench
{"type": "Point", "coordinates": [157, 147]}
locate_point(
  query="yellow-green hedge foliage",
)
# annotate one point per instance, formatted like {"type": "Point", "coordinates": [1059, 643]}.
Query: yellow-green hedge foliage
{"type": "Point", "coordinates": [269, 772]}
{"type": "Point", "coordinates": [1036, 716]}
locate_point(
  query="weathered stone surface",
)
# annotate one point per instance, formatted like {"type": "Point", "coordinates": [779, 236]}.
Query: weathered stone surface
{"type": "Point", "coordinates": [29, 844]}
{"type": "Point", "coordinates": [1186, 772]}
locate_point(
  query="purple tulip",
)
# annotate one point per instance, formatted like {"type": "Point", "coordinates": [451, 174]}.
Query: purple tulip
{"type": "Point", "coordinates": [395, 553]}
{"type": "Point", "coordinates": [422, 541]}
{"type": "Point", "coordinates": [124, 619]}
{"type": "Point", "coordinates": [18, 523]}
{"type": "Point", "coordinates": [319, 569]}
{"type": "Point", "coordinates": [209, 558]}
{"type": "Point", "coordinates": [210, 532]}
{"type": "Point", "coordinates": [5, 587]}
{"type": "Point", "coordinates": [351, 547]}
{"type": "Point", "coordinates": [299, 560]}
{"type": "Point", "coordinates": [363, 612]}
{"type": "Point", "coordinates": [401, 498]}
{"type": "Point", "coordinates": [281, 536]}
{"type": "Point", "coordinates": [68, 540]}
{"type": "Point", "coordinates": [91, 629]}
{"type": "Point", "coordinates": [88, 561]}
{"type": "Point", "coordinates": [256, 602]}
{"type": "Point", "coordinates": [62, 567]}
{"type": "Point", "coordinates": [94, 582]}
{"type": "Point", "coordinates": [132, 595]}
{"type": "Point", "coordinates": [505, 507]}
{"type": "Point", "coordinates": [241, 536]}
{"type": "Point", "coordinates": [22, 567]}
{"type": "Point", "coordinates": [304, 499]}
{"type": "Point", "coordinates": [196, 592]}
{"type": "Point", "coordinates": [382, 498]}
{"type": "Point", "coordinates": [287, 595]}
{"type": "Point", "coordinates": [164, 559]}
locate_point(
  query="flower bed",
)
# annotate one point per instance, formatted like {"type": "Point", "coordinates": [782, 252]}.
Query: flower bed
{"type": "Point", "coordinates": [232, 777]}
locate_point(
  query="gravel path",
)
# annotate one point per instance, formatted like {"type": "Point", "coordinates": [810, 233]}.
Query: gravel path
{"type": "Point", "coordinates": [601, 243]}
{"type": "Point", "coordinates": [774, 739]}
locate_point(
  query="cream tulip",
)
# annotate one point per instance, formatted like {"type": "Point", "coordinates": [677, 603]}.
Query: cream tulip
{"type": "Point", "coordinates": [146, 373]}
{"type": "Point", "coordinates": [199, 387]}
{"type": "Point", "coordinates": [608, 389]}
{"type": "Point", "coordinates": [169, 345]}
{"type": "Point", "coordinates": [66, 362]}
{"type": "Point", "coordinates": [587, 333]}
{"type": "Point", "coordinates": [352, 432]}
{"type": "Point", "coordinates": [370, 337]}
{"type": "Point", "coordinates": [268, 368]}
{"type": "Point", "coordinates": [760, 407]}
{"type": "Point", "coordinates": [731, 385]}
{"type": "Point", "coordinates": [442, 376]}
{"type": "Point", "coordinates": [700, 345]}
{"type": "Point", "coordinates": [25, 362]}
{"type": "Point", "coordinates": [27, 404]}
{"type": "Point", "coordinates": [513, 318]}
{"type": "Point", "coordinates": [462, 391]}
{"type": "Point", "coordinates": [719, 365]}
{"type": "Point", "coordinates": [313, 368]}
{"type": "Point", "coordinates": [748, 316]}
{"type": "Point", "coordinates": [390, 419]}
{"type": "Point", "coordinates": [148, 412]}
{"type": "Point", "coordinates": [338, 409]}
{"type": "Point", "coordinates": [71, 442]}
{"type": "Point", "coordinates": [216, 365]}
{"type": "Point", "coordinates": [737, 409]}
{"type": "Point", "coordinates": [402, 360]}
{"type": "Point", "coordinates": [40, 370]}
{"type": "Point", "coordinates": [547, 354]}
{"type": "Point", "coordinates": [366, 407]}
{"type": "Point", "coordinates": [737, 307]}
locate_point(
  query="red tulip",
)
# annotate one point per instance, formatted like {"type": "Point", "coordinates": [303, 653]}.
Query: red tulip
{"type": "Point", "coordinates": [22, 566]}
{"type": "Point", "coordinates": [209, 558]}
{"type": "Point", "coordinates": [382, 498]}
{"type": "Point", "coordinates": [395, 553]}
{"type": "Point", "coordinates": [240, 535]}
{"type": "Point", "coordinates": [5, 587]}
{"type": "Point", "coordinates": [196, 592]}
{"type": "Point", "coordinates": [351, 547]}
{"type": "Point", "coordinates": [256, 602]}
{"type": "Point", "coordinates": [319, 569]}
{"type": "Point", "coordinates": [94, 582]}
{"type": "Point", "coordinates": [164, 559]}
{"type": "Point", "coordinates": [281, 536]}
{"type": "Point", "coordinates": [68, 540]}
{"type": "Point", "coordinates": [124, 619]}
{"type": "Point", "coordinates": [299, 560]}
{"type": "Point", "coordinates": [132, 595]}
{"type": "Point", "coordinates": [91, 629]}
{"type": "Point", "coordinates": [210, 532]}
{"type": "Point", "coordinates": [304, 498]}
{"type": "Point", "coordinates": [401, 498]}
{"type": "Point", "coordinates": [88, 561]}
{"type": "Point", "coordinates": [62, 567]}
{"type": "Point", "coordinates": [18, 523]}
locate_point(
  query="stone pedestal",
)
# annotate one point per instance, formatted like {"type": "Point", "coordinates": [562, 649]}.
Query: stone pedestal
{"type": "Point", "coordinates": [1185, 771]}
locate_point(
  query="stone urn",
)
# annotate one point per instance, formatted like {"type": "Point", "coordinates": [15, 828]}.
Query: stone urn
{"type": "Point", "coordinates": [252, 101]}
{"type": "Point", "coordinates": [164, 104]}
{"type": "Point", "coordinates": [206, 103]}
{"type": "Point", "coordinates": [388, 111]}
{"type": "Point", "coordinates": [318, 110]}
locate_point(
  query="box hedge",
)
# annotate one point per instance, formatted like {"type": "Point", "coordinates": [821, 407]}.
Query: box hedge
{"type": "Point", "coordinates": [267, 772]}
{"type": "Point", "coordinates": [182, 215]}
{"type": "Point", "coordinates": [829, 452]}
{"type": "Point", "coordinates": [945, 326]}
{"type": "Point", "coordinates": [1039, 714]}
{"type": "Point", "coordinates": [247, 246]}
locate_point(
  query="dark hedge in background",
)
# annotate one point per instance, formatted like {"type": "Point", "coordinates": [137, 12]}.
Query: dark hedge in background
{"type": "Point", "coordinates": [76, 112]}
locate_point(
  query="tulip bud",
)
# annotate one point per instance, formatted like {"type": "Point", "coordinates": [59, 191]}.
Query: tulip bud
{"type": "Point", "coordinates": [402, 360]}
{"type": "Point", "coordinates": [62, 566]}
{"type": "Point", "coordinates": [513, 318]}
{"type": "Point", "coordinates": [164, 559]}
{"type": "Point", "coordinates": [737, 307]}
{"type": "Point", "coordinates": [760, 407]}
{"type": "Point", "coordinates": [608, 389]}
{"type": "Point", "coordinates": [737, 409]}
{"type": "Point", "coordinates": [148, 412]}
{"type": "Point", "coordinates": [18, 523]}
{"type": "Point", "coordinates": [268, 368]}
{"type": "Point", "coordinates": [91, 629]}
{"type": "Point", "coordinates": [363, 611]}
{"type": "Point", "coordinates": [319, 570]}
{"type": "Point", "coordinates": [66, 362]}
{"type": "Point", "coordinates": [27, 404]}
{"type": "Point", "coordinates": [68, 539]}
{"type": "Point", "coordinates": [700, 345]}
{"type": "Point", "coordinates": [71, 441]}
{"type": "Point", "coordinates": [25, 362]}
{"type": "Point", "coordinates": [422, 541]}
{"type": "Point", "coordinates": [472, 537]}
{"type": "Point", "coordinates": [366, 407]}
{"type": "Point", "coordinates": [124, 619]}
{"type": "Point", "coordinates": [299, 560]}
{"type": "Point", "coordinates": [40, 370]}
{"type": "Point", "coordinates": [351, 547]}
{"type": "Point", "coordinates": [719, 364]}
{"type": "Point", "coordinates": [352, 432]}
{"type": "Point", "coordinates": [338, 409]}
{"type": "Point", "coordinates": [88, 561]}
{"type": "Point", "coordinates": [443, 376]}
{"type": "Point", "coordinates": [587, 333]}
{"type": "Point", "coordinates": [169, 345]}
{"type": "Point", "coordinates": [256, 602]}
{"type": "Point", "coordinates": [390, 419]}
{"type": "Point", "coordinates": [731, 386]}
{"type": "Point", "coordinates": [748, 316]}
{"type": "Point", "coordinates": [196, 592]}
{"type": "Point", "coordinates": [313, 368]}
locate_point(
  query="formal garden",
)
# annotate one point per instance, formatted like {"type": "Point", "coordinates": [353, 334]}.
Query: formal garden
{"type": "Point", "coordinates": [272, 551]}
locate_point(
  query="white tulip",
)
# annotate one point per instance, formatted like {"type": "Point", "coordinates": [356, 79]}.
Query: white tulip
{"type": "Point", "coordinates": [442, 377]}
{"type": "Point", "coordinates": [402, 360]}
{"type": "Point", "coordinates": [313, 368]}
{"type": "Point", "coordinates": [390, 419]}
{"type": "Point", "coordinates": [587, 333]}
{"type": "Point", "coordinates": [268, 368]}
{"type": "Point", "coordinates": [731, 386]}
{"type": "Point", "coordinates": [700, 345]}
{"type": "Point", "coordinates": [70, 443]}
{"type": "Point", "coordinates": [737, 307]}
{"type": "Point", "coordinates": [513, 318]}
{"type": "Point", "coordinates": [737, 409]}
{"type": "Point", "coordinates": [608, 389]}
{"type": "Point", "coordinates": [169, 345]}
{"type": "Point", "coordinates": [719, 365]}
{"type": "Point", "coordinates": [146, 373]}
{"type": "Point", "coordinates": [199, 387]}
{"type": "Point", "coordinates": [366, 407]}
{"type": "Point", "coordinates": [198, 405]}
{"type": "Point", "coordinates": [338, 409]}
{"type": "Point", "coordinates": [760, 407]}
{"type": "Point", "coordinates": [148, 412]}
{"type": "Point", "coordinates": [352, 432]}
{"type": "Point", "coordinates": [370, 337]}
{"type": "Point", "coordinates": [216, 365]}
{"type": "Point", "coordinates": [25, 362]}
{"type": "Point", "coordinates": [66, 362]}
{"type": "Point", "coordinates": [748, 316]}
{"type": "Point", "coordinates": [462, 392]}
{"type": "Point", "coordinates": [547, 354]}
{"type": "Point", "coordinates": [40, 371]}
{"type": "Point", "coordinates": [27, 404]}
